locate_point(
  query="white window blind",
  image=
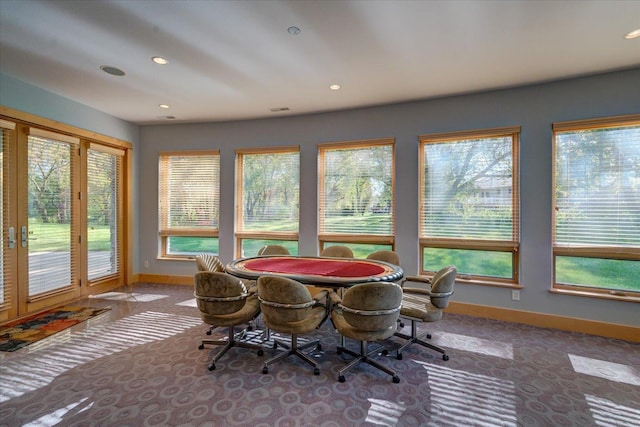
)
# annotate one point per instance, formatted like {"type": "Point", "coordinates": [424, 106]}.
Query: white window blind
{"type": "Point", "coordinates": [189, 193]}
{"type": "Point", "coordinates": [270, 188]}
{"type": "Point", "coordinates": [356, 188]}
{"type": "Point", "coordinates": [597, 189]}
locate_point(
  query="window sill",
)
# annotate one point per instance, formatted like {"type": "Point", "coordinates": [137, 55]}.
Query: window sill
{"type": "Point", "coordinates": [610, 295]}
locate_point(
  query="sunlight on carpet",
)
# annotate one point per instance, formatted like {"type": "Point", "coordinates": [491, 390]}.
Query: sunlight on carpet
{"type": "Point", "coordinates": [126, 296]}
{"type": "Point", "coordinates": [87, 345]}
{"type": "Point", "coordinates": [384, 412]}
{"type": "Point", "coordinates": [188, 303]}
{"type": "Point", "coordinates": [464, 398]}
{"type": "Point", "coordinates": [608, 413]}
{"type": "Point", "coordinates": [474, 344]}
{"type": "Point", "coordinates": [607, 370]}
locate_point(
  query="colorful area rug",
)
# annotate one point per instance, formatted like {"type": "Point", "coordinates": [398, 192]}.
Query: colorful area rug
{"type": "Point", "coordinates": [23, 332]}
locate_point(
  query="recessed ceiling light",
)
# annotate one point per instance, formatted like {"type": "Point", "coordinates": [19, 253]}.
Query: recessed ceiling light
{"type": "Point", "coordinates": [294, 31]}
{"type": "Point", "coordinates": [633, 34]}
{"type": "Point", "coordinates": [334, 87]}
{"type": "Point", "coordinates": [159, 60]}
{"type": "Point", "coordinates": [164, 106]}
{"type": "Point", "coordinates": [112, 70]}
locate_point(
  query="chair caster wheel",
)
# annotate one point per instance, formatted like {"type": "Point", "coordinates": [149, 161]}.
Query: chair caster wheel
{"type": "Point", "coordinates": [316, 371]}
{"type": "Point", "coordinates": [445, 357]}
{"type": "Point", "coordinates": [260, 353]}
{"type": "Point", "coordinates": [208, 332]}
{"type": "Point", "coordinates": [265, 370]}
{"type": "Point", "coordinates": [428, 336]}
{"type": "Point", "coordinates": [338, 351]}
{"type": "Point", "coordinates": [399, 356]}
{"type": "Point", "coordinates": [212, 367]}
{"type": "Point", "coordinates": [201, 346]}
{"type": "Point", "coordinates": [396, 379]}
{"type": "Point", "coordinates": [341, 378]}
{"type": "Point", "coordinates": [249, 328]}
{"type": "Point", "coordinates": [385, 352]}
{"type": "Point", "coordinates": [275, 345]}
{"type": "Point", "coordinates": [319, 347]}
{"type": "Point", "coordinates": [401, 325]}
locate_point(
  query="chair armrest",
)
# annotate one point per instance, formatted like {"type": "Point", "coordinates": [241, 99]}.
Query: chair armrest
{"type": "Point", "coordinates": [427, 292]}
{"type": "Point", "coordinates": [416, 279]}
{"type": "Point", "coordinates": [321, 297]}
{"type": "Point", "coordinates": [335, 298]}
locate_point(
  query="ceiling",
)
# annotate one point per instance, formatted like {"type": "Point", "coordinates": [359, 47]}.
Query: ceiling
{"type": "Point", "coordinates": [234, 60]}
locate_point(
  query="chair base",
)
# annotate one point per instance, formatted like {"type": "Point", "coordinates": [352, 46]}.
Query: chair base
{"type": "Point", "coordinates": [296, 350]}
{"type": "Point", "coordinates": [234, 340]}
{"type": "Point", "coordinates": [414, 338]}
{"type": "Point", "coordinates": [363, 356]}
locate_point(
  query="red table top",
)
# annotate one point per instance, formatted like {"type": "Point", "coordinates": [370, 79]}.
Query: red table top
{"type": "Point", "coordinates": [326, 271]}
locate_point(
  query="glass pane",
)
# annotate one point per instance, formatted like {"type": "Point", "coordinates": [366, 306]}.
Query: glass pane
{"type": "Point", "coordinates": [468, 261]}
{"type": "Point", "coordinates": [191, 245]}
{"type": "Point", "coordinates": [468, 189]}
{"type": "Point", "coordinates": [361, 250]}
{"type": "Point", "coordinates": [270, 191]}
{"type": "Point", "coordinates": [597, 272]}
{"type": "Point", "coordinates": [358, 190]}
{"type": "Point", "coordinates": [49, 199]}
{"type": "Point", "coordinates": [598, 187]}
{"type": "Point", "coordinates": [103, 173]}
{"type": "Point", "coordinates": [250, 247]}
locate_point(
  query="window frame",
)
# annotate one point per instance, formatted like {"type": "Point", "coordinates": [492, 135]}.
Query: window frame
{"type": "Point", "coordinates": [348, 238]}
{"type": "Point", "coordinates": [512, 246]}
{"type": "Point", "coordinates": [585, 250]}
{"type": "Point", "coordinates": [240, 233]}
{"type": "Point", "coordinates": [165, 232]}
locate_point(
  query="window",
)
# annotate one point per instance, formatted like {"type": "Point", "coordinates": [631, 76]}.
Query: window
{"type": "Point", "coordinates": [189, 202]}
{"type": "Point", "coordinates": [357, 204]}
{"type": "Point", "coordinates": [596, 243]}
{"type": "Point", "coordinates": [267, 199]}
{"type": "Point", "coordinates": [469, 204]}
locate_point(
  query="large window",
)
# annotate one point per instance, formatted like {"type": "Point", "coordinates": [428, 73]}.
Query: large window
{"type": "Point", "coordinates": [596, 243]}
{"type": "Point", "coordinates": [469, 204]}
{"type": "Point", "coordinates": [189, 202]}
{"type": "Point", "coordinates": [267, 200]}
{"type": "Point", "coordinates": [357, 204]}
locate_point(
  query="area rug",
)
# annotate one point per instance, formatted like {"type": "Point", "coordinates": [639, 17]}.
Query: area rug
{"type": "Point", "coordinates": [23, 332]}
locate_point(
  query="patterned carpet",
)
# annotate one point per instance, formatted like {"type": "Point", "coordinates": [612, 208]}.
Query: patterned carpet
{"type": "Point", "coordinates": [140, 366]}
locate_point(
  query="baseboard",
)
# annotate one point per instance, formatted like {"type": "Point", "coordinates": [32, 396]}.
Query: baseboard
{"type": "Point", "coordinates": [572, 324]}
{"type": "Point", "coordinates": [543, 320]}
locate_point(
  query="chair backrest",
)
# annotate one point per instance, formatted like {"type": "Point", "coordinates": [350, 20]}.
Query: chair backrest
{"type": "Point", "coordinates": [387, 256]}
{"type": "Point", "coordinates": [209, 262]}
{"type": "Point", "coordinates": [372, 306]}
{"type": "Point", "coordinates": [443, 282]}
{"type": "Point", "coordinates": [219, 293]}
{"type": "Point", "coordinates": [273, 250]}
{"type": "Point", "coordinates": [337, 251]}
{"type": "Point", "coordinates": [283, 300]}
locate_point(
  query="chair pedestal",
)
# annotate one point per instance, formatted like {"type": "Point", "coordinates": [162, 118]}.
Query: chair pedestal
{"type": "Point", "coordinates": [417, 339]}
{"type": "Point", "coordinates": [296, 350]}
{"type": "Point", "coordinates": [364, 357]}
{"type": "Point", "coordinates": [233, 340]}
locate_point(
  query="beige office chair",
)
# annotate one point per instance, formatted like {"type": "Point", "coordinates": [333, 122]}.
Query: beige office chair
{"type": "Point", "coordinates": [337, 251]}
{"type": "Point", "coordinates": [387, 256]}
{"type": "Point", "coordinates": [426, 305]}
{"type": "Point", "coordinates": [223, 301]}
{"type": "Point", "coordinates": [288, 307]}
{"type": "Point", "coordinates": [209, 262]}
{"type": "Point", "coordinates": [366, 312]}
{"type": "Point", "coordinates": [273, 250]}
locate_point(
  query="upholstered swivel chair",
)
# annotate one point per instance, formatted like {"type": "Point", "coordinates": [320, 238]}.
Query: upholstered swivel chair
{"type": "Point", "coordinates": [337, 251]}
{"type": "Point", "coordinates": [223, 301]}
{"type": "Point", "coordinates": [273, 250]}
{"type": "Point", "coordinates": [288, 308]}
{"type": "Point", "coordinates": [387, 256]}
{"type": "Point", "coordinates": [426, 305]}
{"type": "Point", "coordinates": [366, 312]}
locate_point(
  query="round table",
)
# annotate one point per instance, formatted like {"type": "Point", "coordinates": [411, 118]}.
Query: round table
{"type": "Point", "coordinates": [317, 271]}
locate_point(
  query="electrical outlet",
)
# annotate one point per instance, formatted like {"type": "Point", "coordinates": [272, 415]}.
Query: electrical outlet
{"type": "Point", "coordinates": [515, 295]}
{"type": "Point", "coordinates": [146, 263]}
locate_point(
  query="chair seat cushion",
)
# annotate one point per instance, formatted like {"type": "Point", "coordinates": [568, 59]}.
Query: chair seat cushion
{"type": "Point", "coordinates": [419, 306]}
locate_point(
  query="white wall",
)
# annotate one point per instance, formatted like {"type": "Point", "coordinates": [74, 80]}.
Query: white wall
{"type": "Point", "coordinates": [534, 108]}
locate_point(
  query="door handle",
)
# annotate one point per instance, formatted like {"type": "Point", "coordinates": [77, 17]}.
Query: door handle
{"type": "Point", "coordinates": [12, 238]}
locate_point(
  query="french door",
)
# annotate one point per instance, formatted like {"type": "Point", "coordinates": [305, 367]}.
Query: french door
{"type": "Point", "coordinates": [61, 216]}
